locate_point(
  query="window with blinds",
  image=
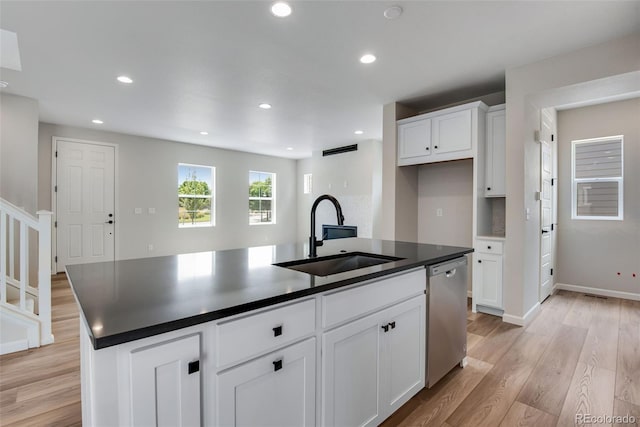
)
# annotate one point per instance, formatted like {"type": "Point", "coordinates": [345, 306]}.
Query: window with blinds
{"type": "Point", "coordinates": [597, 178]}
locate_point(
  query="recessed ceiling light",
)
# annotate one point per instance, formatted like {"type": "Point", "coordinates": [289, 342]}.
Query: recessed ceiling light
{"type": "Point", "coordinates": [358, 132]}
{"type": "Point", "coordinates": [204, 132]}
{"type": "Point", "coordinates": [281, 9]}
{"type": "Point", "coordinates": [289, 148]}
{"type": "Point", "coordinates": [264, 106]}
{"type": "Point", "coordinates": [368, 58]}
{"type": "Point", "coordinates": [393, 12]}
{"type": "Point", "coordinates": [125, 79]}
{"type": "Point", "coordinates": [3, 84]}
{"type": "Point", "coordinates": [97, 121]}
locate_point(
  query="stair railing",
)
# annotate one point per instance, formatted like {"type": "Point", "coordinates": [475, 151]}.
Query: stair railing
{"type": "Point", "coordinates": [12, 218]}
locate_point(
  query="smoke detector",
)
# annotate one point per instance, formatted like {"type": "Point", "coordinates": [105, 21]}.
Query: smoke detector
{"type": "Point", "coordinates": [393, 12]}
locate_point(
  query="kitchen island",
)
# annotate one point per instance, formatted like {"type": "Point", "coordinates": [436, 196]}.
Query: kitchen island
{"type": "Point", "coordinates": [228, 338]}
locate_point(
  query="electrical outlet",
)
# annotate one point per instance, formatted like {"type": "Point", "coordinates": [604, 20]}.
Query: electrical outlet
{"type": "Point", "coordinates": [150, 247]}
{"type": "Point", "coordinates": [439, 212]}
{"type": "Point", "coordinates": [137, 211]}
{"type": "Point", "coordinates": [152, 211]}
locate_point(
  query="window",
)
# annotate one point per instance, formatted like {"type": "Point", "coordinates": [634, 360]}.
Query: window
{"type": "Point", "coordinates": [196, 204]}
{"type": "Point", "coordinates": [597, 178]}
{"type": "Point", "coordinates": [262, 200]}
{"type": "Point", "coordinates": [308, 183]}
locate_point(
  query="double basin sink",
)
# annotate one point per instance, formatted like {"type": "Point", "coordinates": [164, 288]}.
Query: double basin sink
{"type": "Point", "coordinates": [326, 266]}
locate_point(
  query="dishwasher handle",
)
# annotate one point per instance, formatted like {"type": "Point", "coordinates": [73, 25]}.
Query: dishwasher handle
{"type": "Point", "coordinates": [450, 273]}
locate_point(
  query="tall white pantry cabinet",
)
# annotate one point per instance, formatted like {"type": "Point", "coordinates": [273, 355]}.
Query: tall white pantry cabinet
{"type": "Point", "coordinates": [468, 131]}
{"type": "Point", "coordinates": [352, 355]}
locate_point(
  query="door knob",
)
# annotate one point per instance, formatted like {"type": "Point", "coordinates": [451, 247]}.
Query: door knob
{"type": "Point", "coordinates": [545, 231]}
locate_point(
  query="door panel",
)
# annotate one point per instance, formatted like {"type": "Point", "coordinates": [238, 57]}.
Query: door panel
{"type": "Point", "coordinates": [415, 139]}
{"type": "Point", "coordinates": [546, 206]}
{"type": "Point", "coordinates": [85, 198]}
{"type": "Point", "coordinates": [452, 132]}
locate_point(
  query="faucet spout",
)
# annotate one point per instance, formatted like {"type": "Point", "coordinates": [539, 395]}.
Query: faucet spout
{"type": "Point", "coordinates": [313, 243]}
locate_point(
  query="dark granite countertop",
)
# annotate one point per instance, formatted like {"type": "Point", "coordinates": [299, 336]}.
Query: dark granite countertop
{"type": "Point", "coordinates": [127, 300]}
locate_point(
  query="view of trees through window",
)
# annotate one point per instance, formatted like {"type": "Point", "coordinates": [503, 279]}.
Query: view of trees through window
{"type": "Point", "coordinates": [195, 195]}
{"type": "Point", "coordinates": [262, 197]}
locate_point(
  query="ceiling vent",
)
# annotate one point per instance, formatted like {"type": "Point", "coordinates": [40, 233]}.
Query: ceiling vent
{"type": "Point", "coordinates": [340, 150]}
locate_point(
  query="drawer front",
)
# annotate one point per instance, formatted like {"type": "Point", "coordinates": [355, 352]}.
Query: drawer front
{"type": "Point", "coordinates": [489, 247]}
{"type": "Point", "coordinates": [251, 335]}
{"type": "Point", "coordinates": [352, 303]}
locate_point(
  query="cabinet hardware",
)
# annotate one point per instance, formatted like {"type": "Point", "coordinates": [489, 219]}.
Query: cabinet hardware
{"type": "Point", "coordinates": [277, 365]}
{"type": "Point", "coordinates": [436, 147]}
{"type": "Point", "coordinates": [193, 367]}
{"type": "Point", "coordinates": [489, 247]}
{"type": "Point", "coordinates": [427, 148]}
{"type": "Point", "coordinates": [488, 188]}
{"type": "Point", "coordinates": [109, 222]}
{"type": "Point", "coordinates": [277, 331]}
{"type": "Point", "coordinates": [385, 328]}
{"type": "Point", "coordinates": [393, 325]}
{"type": "Point", "coordinates": [479, 261]}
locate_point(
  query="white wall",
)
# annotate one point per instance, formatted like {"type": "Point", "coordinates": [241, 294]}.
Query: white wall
{"type": "Point", "coordinates": [528, 89]}
{"type": "Point", "coordinates": [148, 178]}
{"type": "Point", "coordinates": [354, 179]}
{"type": "Point", "coordinates": [19, 151]}
{"type": "Point", "coordinates": [447, 186]}
{"type": "Point", "coordinates": [591, 253]}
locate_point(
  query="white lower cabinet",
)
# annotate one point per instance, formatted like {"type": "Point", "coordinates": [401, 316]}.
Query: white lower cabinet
{"type": "Point", "coordinates": [373, 365]}
{"type": "Point", "coordinates": [487, 280]}
{"type": "Point", "coordinates": [165, 383]}
{"type": "Point", "coordinates": [274, 390]}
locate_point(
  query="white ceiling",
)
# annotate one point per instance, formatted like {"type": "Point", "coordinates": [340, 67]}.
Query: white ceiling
{"type": "Point", "coordinates": [207, 65]}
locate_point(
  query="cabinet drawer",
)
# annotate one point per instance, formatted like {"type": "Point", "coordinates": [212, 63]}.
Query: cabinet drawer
{"type": "Point", "coordinates": [251, 335]}
{"type": "Point", "coordinates": [344, 305]}
{"type": "Point", "coordinates": [489, 247]}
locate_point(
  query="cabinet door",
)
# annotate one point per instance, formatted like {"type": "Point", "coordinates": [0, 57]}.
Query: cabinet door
{"type": "Point", "coordinates": [487, 280]}
{"type": "Point", "coordinates": [414, 139]}
{"type": "Point", "coordinates": [403, 358]}
{"type": "Point", "coordinates": [452, 132]}
{"type": "Point", "coordinates": [163, 392]}
{"type": "Point", "coordinates": [350, 374]}
{"type": "Point", "coordinates": [496, 161]}
{"type": "Point", "coordinates": [274, 390]}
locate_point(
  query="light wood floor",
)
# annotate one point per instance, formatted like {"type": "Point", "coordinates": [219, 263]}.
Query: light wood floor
{"type": "Point", "coordinates": [580, 355]}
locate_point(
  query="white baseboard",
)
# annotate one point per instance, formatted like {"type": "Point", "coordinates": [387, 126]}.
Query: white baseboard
{"type": "Point", "coordinates": [597, 291]}
{"type": "Point", "coordinates": [13, 346]}
{"type": "Point", "coordinates": [522, 320]}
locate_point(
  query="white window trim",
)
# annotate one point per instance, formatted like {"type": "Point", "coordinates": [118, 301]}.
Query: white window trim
{"type": "Point", "coordinates": [212, 197]}
{"type": "Point", "coordinates": [575, 181]}
{"type": "Point", "coordinates": [272, 198]}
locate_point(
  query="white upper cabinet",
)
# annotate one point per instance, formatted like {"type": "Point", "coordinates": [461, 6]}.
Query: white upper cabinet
{"type": "Point", "coordinates": [449, 134]}
{"type": "Point", "coordinates": [452, 132]}
{"type": "Point", "coordinates": [496, 147]}
{"type": "Point", "coordinates": [414, 139]}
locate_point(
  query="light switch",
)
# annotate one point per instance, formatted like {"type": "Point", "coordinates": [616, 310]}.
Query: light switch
{"type": "Point", "coordinates": [152, 211]}
{"type": "Point", "coordinates": [137, 211]}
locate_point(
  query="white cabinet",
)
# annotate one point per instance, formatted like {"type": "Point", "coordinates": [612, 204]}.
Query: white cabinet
{"type": "Point", "coordinates": [495, 153]}
{"type": "Point", "coordinates": [373, 365]}
{"type": "Point", "coordinates": [278, 389]}
{"type": "Point", "coordinates": [452, 132]}
{"type": "Point", "coordinates": [165, 383]}
{"type": "Point", "coordinates": [449, 134]}
{"type": "Point", "coordinates": [414, 139]}
{"type": "Point", "coordinates": [487, 274]}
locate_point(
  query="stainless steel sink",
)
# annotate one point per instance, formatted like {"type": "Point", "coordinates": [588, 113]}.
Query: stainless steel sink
{"type": "Point", "coordinates": [326, 266]}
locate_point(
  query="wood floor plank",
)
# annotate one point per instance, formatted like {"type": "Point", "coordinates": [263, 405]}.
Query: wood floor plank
{"type": "Point", "coordinates": [446, 395]}
{"type": "Point", "coordinates": [547, 321]}
{"type": "Point", "coordinates": [629, 311]}
{"type": "Point", "coordinates": [522, 415]}
{"type": "Point", "coordinates": [591, 393]}
{"type": "Point", "coordinates": [22, 410]}
{"type": "Point", "coordinates": [625, 409]}
{"type": "Point", "coordinates": [496, 343]}
{"type": "Point", "coordinates": [65, 416]}
{"type": "Point", "coordinates": [601, 346]}
{"type": "Point", "coordinates": [628, 367]}
{"type": "Point", "coordinates": [581, 312]}
{"type": "Point", "coordinates": [491, 399]}
{"type": "Point", "coordinates": [473, 340]}
{"type": "Point", "coordinates": [561, 301]}
{"type": "Point", "coordinates": [547, 386]}
{"type": "Point", "coordinates": [48, 386]}
{"type": "Point", "coordinates": [484, 324]}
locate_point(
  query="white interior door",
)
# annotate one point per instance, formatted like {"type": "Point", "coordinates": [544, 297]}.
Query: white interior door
{"type": "Point", "coordinates": [85, 201]}
{"type": "Point", "coordinates": [546, 206]}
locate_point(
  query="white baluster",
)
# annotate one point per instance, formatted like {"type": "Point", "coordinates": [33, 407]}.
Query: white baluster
{"type": "Point", "coordinates": [3, 256]}
{"type": "Point", "coordinates": [12, 245]}
{"type": "Point", "coordinates": [24, 253]}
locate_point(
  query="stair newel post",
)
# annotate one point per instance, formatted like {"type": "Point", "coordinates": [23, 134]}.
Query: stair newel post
{"type": "Point", "coordinates": [44, 276]}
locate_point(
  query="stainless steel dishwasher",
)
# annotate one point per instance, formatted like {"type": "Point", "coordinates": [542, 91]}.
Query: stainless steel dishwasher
{"type": "Point", "coordinates": [446, 318]}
